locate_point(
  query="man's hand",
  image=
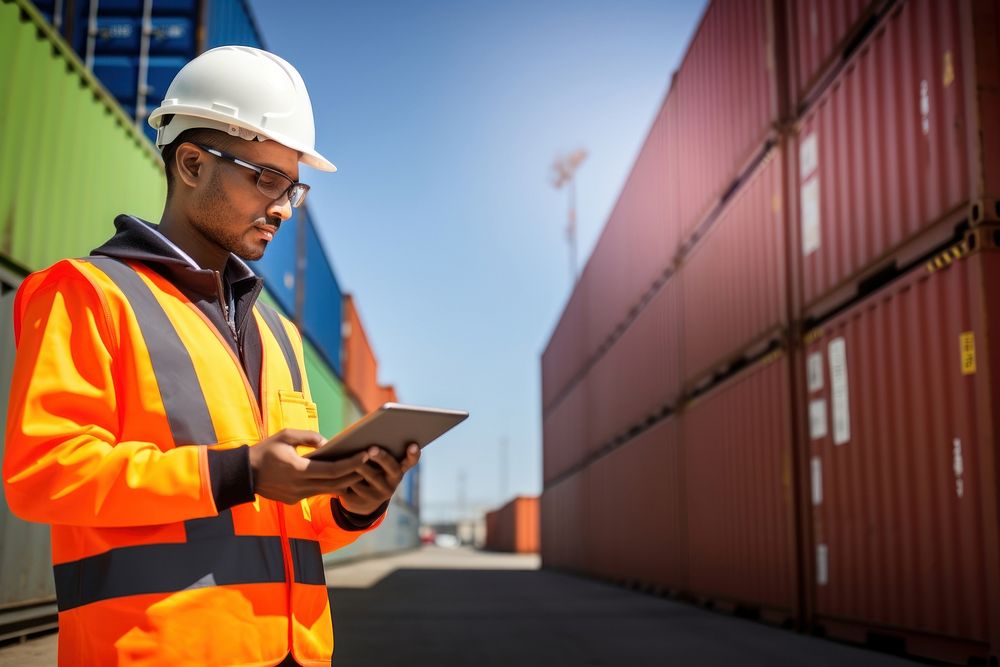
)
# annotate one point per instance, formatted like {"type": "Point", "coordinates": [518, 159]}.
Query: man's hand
{"type": "Point", "coordinates": [279, 473]}
{"type": "Point", "coordinates": [381, 477]}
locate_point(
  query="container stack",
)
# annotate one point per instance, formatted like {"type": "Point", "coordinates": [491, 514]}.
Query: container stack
{"type": "Point", "coordinates": [807, 435]}
{"type": "Point", "coordinates": [136, 47]}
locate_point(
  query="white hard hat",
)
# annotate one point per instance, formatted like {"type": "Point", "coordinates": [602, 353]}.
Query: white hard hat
{"type": "Point", "coordinates": [245, 92]}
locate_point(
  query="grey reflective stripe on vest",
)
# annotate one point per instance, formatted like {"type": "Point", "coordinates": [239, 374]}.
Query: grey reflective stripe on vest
{"type": "Point", "coordinates": [213, 554]}
{"type": "Point", "coordinates": [183, 400]}
{"type": "Point", "coordinates": [307, 562]}
{"type": "Point", "coordinates": [169, 568]}
{"type": "Point", "coordinates": [273, 321]}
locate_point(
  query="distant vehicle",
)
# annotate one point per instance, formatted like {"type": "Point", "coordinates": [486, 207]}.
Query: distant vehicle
{"type": "Point", "coordinates": [447, 541]}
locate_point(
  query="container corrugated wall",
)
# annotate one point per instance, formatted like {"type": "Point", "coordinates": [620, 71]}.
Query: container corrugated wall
{"type": "Point", "coordinates": [230, 22]}
{"type": "Point", "coordinates": [567, 352]}
{"type": "Point", "coordinates": [727, 102]}
{"type": "Point", "coordinates": [638, 377]}
{"type": "Point", "coordinates": [644, 546]}
{"type": "Point", "coordinates": [59, 129]}
{"type": "Point", "coordinates": [564, 431]}
{"type": "Point", "coordinates": [25, 564]}
{"type": "Point", "coordinates": [820, 32]}
{"type": "Point", "coordinates": [895, 465]}
{"type": "Point", "coordinates": [514, 527]}
{"type": "Point", "coordinates": [640, 234]}
{"type": "Point", "coordinates": [563, 524]}
{"type": "Point", "coordinates": [883, 154]}
{"type": "Point", "coordinates": [737, 449]}
{"type": "Point", "coordinates": [321, 299]}
{"type": "Point", "coordinates": [359, 364]}
{"type": "Point", "coordinates": [734, 281]}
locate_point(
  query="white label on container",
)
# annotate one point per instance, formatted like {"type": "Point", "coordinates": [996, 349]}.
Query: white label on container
{"type": "Point", "coordinates": [814, 371]}
{"type": "Point", "coordinates": [808, 156]}
{"type": "Point", "coordinates": [925, 107]}
{"type": "Point", "coordinates": [822, 565]}
{"type": "Point", "coordinates": [817, 419]}
{"type": "Point", "coordinates": [958, 467]}
{"type": "Point", "coordinates": [837, 353]}
{"type": "Point", "coordinates": [809, 196]}
{"type": "Point", "coordinates": [817, 481]}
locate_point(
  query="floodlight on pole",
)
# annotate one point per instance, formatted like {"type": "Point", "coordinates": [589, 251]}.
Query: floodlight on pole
{"type": "Point", "coordinates": [565, 169]}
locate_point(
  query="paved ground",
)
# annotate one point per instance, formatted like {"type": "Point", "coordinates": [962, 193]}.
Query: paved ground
{"type": "Point", "coordinates": [457, 607]}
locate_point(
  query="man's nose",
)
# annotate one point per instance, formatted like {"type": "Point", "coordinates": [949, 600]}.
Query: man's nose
{"type": "Point", "coordinates": [280, 208]}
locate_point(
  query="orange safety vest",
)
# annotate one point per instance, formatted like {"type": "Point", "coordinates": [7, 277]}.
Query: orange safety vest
{"type": "Point", "coordinates": [117, 375]}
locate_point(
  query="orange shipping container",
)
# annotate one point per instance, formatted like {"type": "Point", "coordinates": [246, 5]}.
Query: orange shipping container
{"type": "Point", "coordinates": [514, 527]}
{"type": "Point", "coordinates": [360, 367]}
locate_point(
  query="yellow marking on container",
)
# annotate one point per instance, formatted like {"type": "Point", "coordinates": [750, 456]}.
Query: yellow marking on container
{"type": "Point", "coordinates": [813, 336]}
{"type": "Point", "coordinates": [949, 69]}
{"type": "Point", "coordinates": [967, 345]}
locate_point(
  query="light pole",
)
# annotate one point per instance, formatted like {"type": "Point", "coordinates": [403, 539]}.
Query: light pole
{"type": "Point", "coordinates": [565, 168]}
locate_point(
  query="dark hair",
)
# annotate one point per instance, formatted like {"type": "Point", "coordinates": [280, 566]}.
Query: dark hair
{"type": "Point", "coordinates": [197, 135]}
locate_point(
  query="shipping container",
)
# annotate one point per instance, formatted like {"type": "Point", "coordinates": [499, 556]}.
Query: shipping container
{"type": "Point", "coordinates": [734, 281]}
{"type": "Point", "coordinates": [70, 156]}
{"type": "Point", "coordinates": [637, 379]}
{"type": "Point", "coordinates": [565, 434]}
{"type": "Point", "coordinates": [896, 466]}
{"type": "Point", "coordinates": [514, 527]}
{"type": "Point", "coordinates": [632, 497]}
{"type": "Point", "coordinates": [739, 498]}
{"type": "Point", "coordinates": [822, 35]}
{"type": "Point", "coordinates": [27, 589]}
{"type": "Point", "coordinates": [321, 304]}
{"type": "Point", "coordinates": [636, 250]}
{"type": "Point", "coordinates": [359, 364]}
{"type": "Point", "coordinates": [883, 155]}
{"type": "Point", "coordinates": [567, 354]}
{"type": "Point", "coordinates": [563, 524]}
{"type": "Point", "coordinates": [981, 43]}
{"type": "Point", "coordinates": [136, 48]}
{"type": "Point", "coordinates": [727, 103]}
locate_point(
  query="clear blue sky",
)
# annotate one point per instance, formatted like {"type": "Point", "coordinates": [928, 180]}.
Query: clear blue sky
{"type": "Point", "coordinates": [443, 119]}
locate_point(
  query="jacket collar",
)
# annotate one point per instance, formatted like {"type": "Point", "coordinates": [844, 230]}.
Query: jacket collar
{"type": "Point", "coordinates": [139, 240]}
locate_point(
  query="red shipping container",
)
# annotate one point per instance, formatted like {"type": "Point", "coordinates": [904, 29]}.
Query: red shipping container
{"type": "Point", "coordinates": [563, 524]}
{"type": "Point", "coordinates": [639, 375]}
{"type": "Point", "coordinates": [727, 102]}
{"type": "Point", "coordinates": [360, 366]}
{"type": "Point", "coordinates": [895, 467]}
{"type": "Point", "coordinates": [737, 449]}
{"type": "Point", "coordinates": [633, 495]}
{"type": "Point", "coordinates": [882, 156]}
{"type": "Point", "coordinates": [564, 434]}
{"type": "Point", "coordinates": [734, 280]}
{"type": "Point", "coordinates": [640, 239]}
{"type": "Point", "coordinates": [819, 32]}
{"type": "Point", "coordinates": [514, 527]}
{"type": "Point", "coordinates": [567, 351]}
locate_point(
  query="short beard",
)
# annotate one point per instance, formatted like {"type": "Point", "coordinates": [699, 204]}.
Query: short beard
{"type": "Point", "coordinates": [214, 212]}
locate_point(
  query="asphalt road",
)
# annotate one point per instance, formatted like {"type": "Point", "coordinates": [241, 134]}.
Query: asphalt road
{"type": "Point", "coordinates": [457, 607]}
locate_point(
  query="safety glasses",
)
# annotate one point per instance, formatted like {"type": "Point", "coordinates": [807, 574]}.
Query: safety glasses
{"type": "Point", "coordinates": [271, 183]}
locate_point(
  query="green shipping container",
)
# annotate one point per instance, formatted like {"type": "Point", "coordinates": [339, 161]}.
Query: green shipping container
{"type": "Point", "coordinates": [71, 160]}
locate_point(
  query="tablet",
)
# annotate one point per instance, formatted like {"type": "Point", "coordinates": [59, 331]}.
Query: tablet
{"type": "Point", "coordinates": [391, 427]}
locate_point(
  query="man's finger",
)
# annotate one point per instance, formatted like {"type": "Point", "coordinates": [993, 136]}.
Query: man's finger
{"type": "Point", "coordinates": [376, 480]}
{"type": "Point", "coordinates": [331, 469]}
{"type": "Point", "coordinates": [297, 436]}
{"type": "Point", "coordinates": [412, 457]}
{"type": "Point", "coordinates": [385, 460]}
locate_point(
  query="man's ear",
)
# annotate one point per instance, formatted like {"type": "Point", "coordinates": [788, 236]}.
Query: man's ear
{"type": "Point", "coordinates": [189, 162]}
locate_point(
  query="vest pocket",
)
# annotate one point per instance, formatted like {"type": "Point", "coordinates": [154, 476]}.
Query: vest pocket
{"type": "Point", "coordinates": [296, 411]}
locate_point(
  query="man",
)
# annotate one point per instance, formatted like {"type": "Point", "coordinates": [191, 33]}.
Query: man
{"type": "Point", "coordinates": [158, 412]}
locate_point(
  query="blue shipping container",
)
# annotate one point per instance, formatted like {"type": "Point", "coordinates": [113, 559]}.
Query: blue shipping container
{"type": "Point", "coordinates": [321, 308]}
{"type": "Point", "coordinates": [231, 22]}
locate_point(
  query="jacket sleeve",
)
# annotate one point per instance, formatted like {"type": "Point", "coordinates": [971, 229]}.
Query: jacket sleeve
{"type": "Point", "coordinates": [65, 462]}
